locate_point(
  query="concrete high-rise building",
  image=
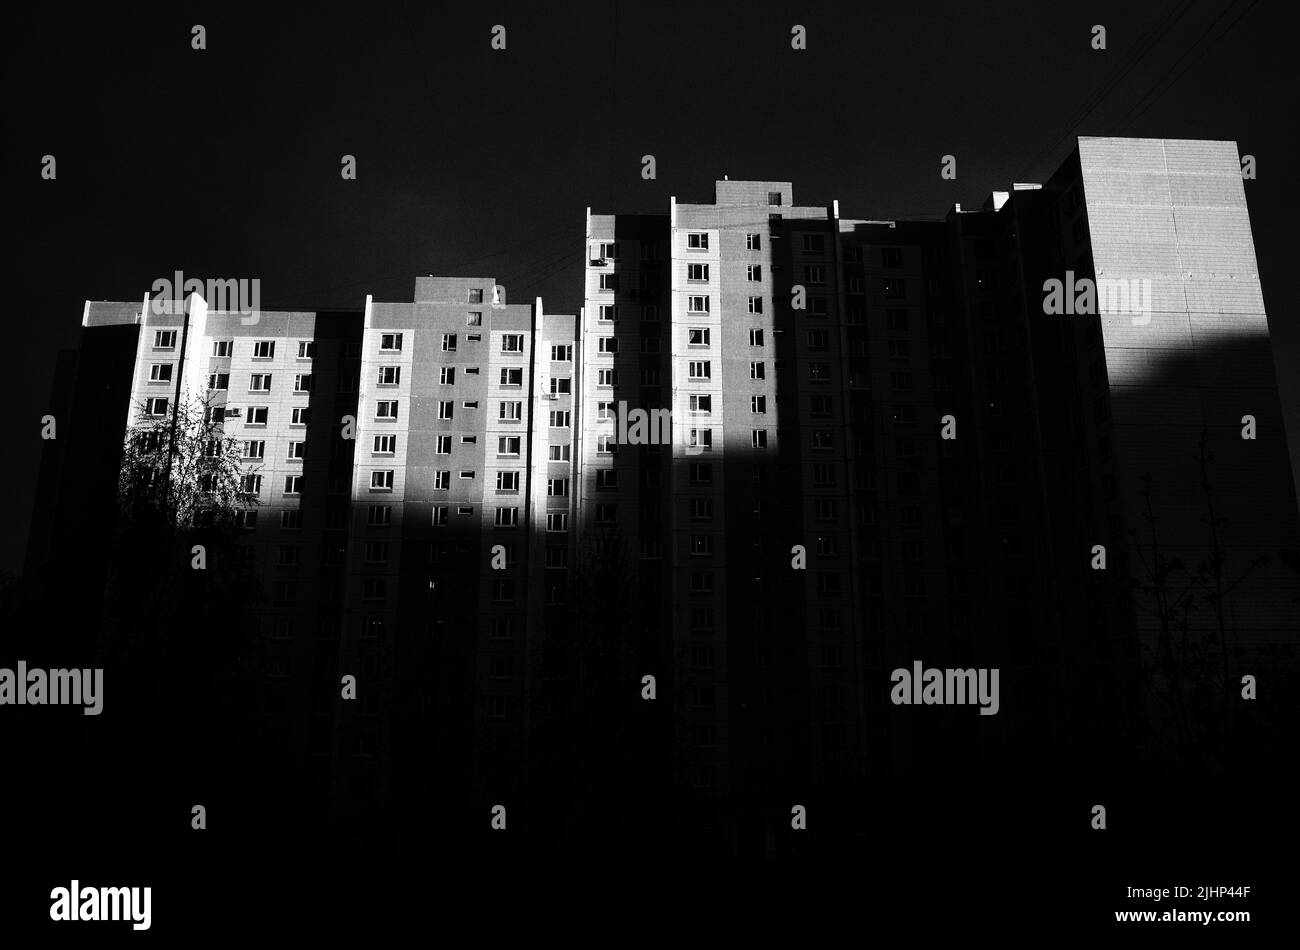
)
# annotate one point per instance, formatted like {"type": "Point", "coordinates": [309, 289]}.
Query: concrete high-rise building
{"type": "Point", "coordinates": [776, 455]}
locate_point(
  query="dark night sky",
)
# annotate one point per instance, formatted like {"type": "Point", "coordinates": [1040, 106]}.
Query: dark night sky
{"type": "Point", "coordinates": [225, 163]}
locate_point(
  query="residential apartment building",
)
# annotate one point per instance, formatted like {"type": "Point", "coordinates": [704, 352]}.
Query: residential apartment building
{"type": "Point", "coordinates": [860, 443]}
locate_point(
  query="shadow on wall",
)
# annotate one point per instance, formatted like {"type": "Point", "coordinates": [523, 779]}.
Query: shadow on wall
{"type": "Point", "coordinates": [1214, 556]}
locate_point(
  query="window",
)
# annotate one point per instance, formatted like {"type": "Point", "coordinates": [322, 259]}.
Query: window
{"type": "Point", "coordinates": [649, 344]}
{"type": "Point", "coordinates": [701, 439]}
{"type": "Point", "coordinates": [440, 513]}
{"type": "Point", "coordinates": [753, 242]}
{"type": "Point", "coordinates": [758, 404]}
{"type": "Point", "coordinates": [509, 445]}
{"type": "Point", "coordinates": [650, 313]}
{"type": "Point", "coordinates": [609, 282]}
{"type": "Point", "coordinates": [701, 509]}
{"type": "Point", "coordinates": [894, 288]}
{"type": "Point", "coordinates": [164, 340]}
{"type": "Point", "coordinates": [558, 453]}
{"type": "Point", "coordinates": [449, 342]}
{"type": "Point", "coordinates": [474, 318]}
{"type": "Point", "coordinates": [445, 409]}
{"type": "Point", "coordinates": [468, 439]}
{"type": "Point", "coordinates": [250, 485]}
{"type": "Point", "coordinates": [754, 272]}
{"type": "Point", "coordinates": [507, 517]}
{"type": "Point", "coordinates": [561, 385]}
{"type": "Point", "coordinates": [297, 451]}
{"type": "Point", "coordinates": [254, 449]}
{"type": "Point", "coordinates": [466, 473]}
{"type": "Point", "coordinates": [701, 404]}
{"type": "Point", "coordinates": [892, 256]}
{"type": "Point", "coordinates": [392, 375]}
{"type": "Point", "coordinates": [562, 353]}
{"type": "Point", "coordinates": [605, 445]}
{"type": "Point", "coordinates": [895, 319]}
{"type": "Point", "coordinates": [560, 419]}
{"type": "Point", "coordinates": [609, 250]}
{"type": "Point", "coordinates": [155, 406]}
{"type": "Point", "coordinates": [819, 340]}
{"type": "Point", "coordinates": [160, 373]}
{"type": "Point", "coordinates": [442, 480]}
{"type": "Point", "coordinates": [757, 370]}
{"type": "Point", "coordinates": [608, 313]}
{"type": "Point", "coordinates": [814, 244]}
{"type": "Point", "coordinates": [898, 349]}
{"type": "Point", "coordinates": [263, 349]}
{"type": "Point", "coordinates": [557, 487]}
{"type": "Point", "coordinates": [379, 516]}
{"type": "Point", "coordinates": [219, 381]}
{"type": "Point", "coordinates": [607, 345]}
{"type": "Point", "coordinates": [822, 440]}
{"type": "Point", "coordinates": [385, 444]}
{"type": "Point", "coordinates": [700, 474]}
{"type": "Point", "coordinates": [606, 377]}
{"type": "Point", "coordinates": [442, 445]}
{"type": "Point", "coordinates": [699, 369]}
{"type": "Point", "coordinates": [606, 479]}
{"type": "Point", "coordinates": [386, 409]}
{"type": "Point", "coordinates": [774, 197]}
{"type": "Point", "coordinates": [222, 347]}
{"type": "Point", "coordinates": [302, 382]}
{"type": "Point", "coordinates": [819, 372]}
{"type": "Point", "coordinates": [814, 275]}
{"type": "Point", "coordinates": [697, 304]}
{"type": "Point", "coordinates": [512, 343]}
{"type": "Point", "coordinates": [557, 521]}
{"type": "Point", "coordinates": [759, 438]}
{"type": "Point", "coordinates": [475, 295]}
{"type": "Point", "coordinates": [306, 349]}
{"type": "Point", "coordinates": [259, 383]}
{"type": "Point", "coordinates": [697, 272]}
{"type": "Point", "coordinates": [512, 376]}
{"type": "Point", "coordinates": [293, 484]}
{"type": "Point", "coordinates": [257, 415]}
{"type": "Point", "coordinates": [381, 480]}
{"type": "Point", "coordinates": [701, 545]}
{"type": "Point", "coordinates": [755, 304]}
{"type": "Point", "coordinates": [510, 411]}
{"type": "Point", "coordinates": [391, 342]}
{"type": "Point", "coordinates": [697, 241]}
{"type": "Point", "coordinates": [900, 382]}
{"type": "Point", "coordinates": [697, 336]}
{"type": "Point", "coordinates": [606, 514]}
{"type": "Point", "coordinates": [855, 285]}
